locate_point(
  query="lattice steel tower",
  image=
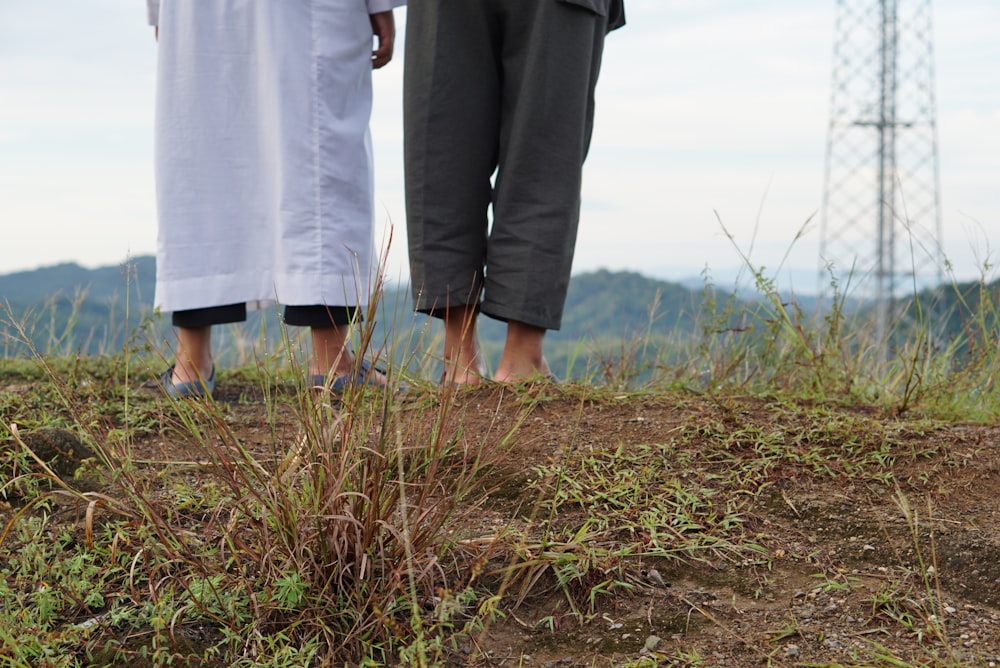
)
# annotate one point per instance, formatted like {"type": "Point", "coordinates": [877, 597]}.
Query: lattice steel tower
{"type": "Point", "coordinates": [881, 220]}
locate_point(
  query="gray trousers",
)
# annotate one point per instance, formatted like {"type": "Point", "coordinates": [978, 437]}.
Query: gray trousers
{"type": "Point", "coordinates": [504, 87]}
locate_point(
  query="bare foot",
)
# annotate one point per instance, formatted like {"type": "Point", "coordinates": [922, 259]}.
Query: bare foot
{"type": "Point", "coordinates": [194, 355]}
{"type": "Point", "coordinates": [522, 358]}
{"type": "Point", "coordinates": [467, 367]}
{"type": "Point", "coordinates": [463, 358]}
{"type": "Point", "coordinates": [521, 371]}
{"type": "Point", "coordinates": [333, 359]}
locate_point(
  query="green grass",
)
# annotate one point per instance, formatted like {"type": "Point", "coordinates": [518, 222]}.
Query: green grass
{"type": "Point", "coordinates": [345, 532]}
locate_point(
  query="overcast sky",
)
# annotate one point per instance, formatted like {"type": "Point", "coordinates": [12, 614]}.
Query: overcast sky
{"type": "Point", "coordinates": [707, 110]}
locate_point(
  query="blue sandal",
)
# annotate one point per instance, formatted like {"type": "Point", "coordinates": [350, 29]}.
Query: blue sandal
{"type": "Point", "coordinates": [365, 376]}
{"type": "Point", "coordinates": [191, 389]}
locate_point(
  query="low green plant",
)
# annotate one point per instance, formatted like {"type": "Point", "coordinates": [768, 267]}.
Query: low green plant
{"type": "Point", "coordinates": [341, 541]}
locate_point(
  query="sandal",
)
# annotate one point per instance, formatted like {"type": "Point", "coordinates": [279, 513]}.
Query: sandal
{"type": "Point", "coordinates": [365, 376]}
{"type": "Point", "coordinates": [191, 389]}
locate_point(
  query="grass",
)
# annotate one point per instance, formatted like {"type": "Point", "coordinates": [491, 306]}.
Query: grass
{"type": "Point", "coordinates": [281, 527]}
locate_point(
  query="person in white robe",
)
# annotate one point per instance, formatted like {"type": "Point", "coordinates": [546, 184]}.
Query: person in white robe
{"type": "Point", "coordinates": [264, 171]}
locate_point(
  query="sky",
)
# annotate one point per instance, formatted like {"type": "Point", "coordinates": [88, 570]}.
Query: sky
{"type": "Point", "coordinates": [711, 123]}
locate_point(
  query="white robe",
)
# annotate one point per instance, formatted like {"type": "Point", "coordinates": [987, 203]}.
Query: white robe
{"type": "Point", "coordinates": [263, 153]}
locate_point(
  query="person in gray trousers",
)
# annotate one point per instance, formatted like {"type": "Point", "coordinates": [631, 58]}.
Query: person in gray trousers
{"type": "Point", "coordinates": [498, 109]}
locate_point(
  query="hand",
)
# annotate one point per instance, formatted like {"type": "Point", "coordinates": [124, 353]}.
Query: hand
{"type": "Point", "coordinates": [384, 29]}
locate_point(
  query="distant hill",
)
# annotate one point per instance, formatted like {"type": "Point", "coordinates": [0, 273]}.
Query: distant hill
{"type": "Point", "coordinates": [66, 309]}
{"type": "Point", "coordinates": [37, 286]}
{"type": "Point", "coordinates": [601, 305]}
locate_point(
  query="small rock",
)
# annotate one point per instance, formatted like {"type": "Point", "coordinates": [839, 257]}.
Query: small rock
{"type": "Point", "coordinates": [652, 642]}
{"type": "Point", "coordinates": [93, 621]}
{"type": "Point", "coordinates": [655, 577]}
{"type": "Point", "coordinates": [791, 651]}
{"type": "Point", "coordinates": [64, 453]}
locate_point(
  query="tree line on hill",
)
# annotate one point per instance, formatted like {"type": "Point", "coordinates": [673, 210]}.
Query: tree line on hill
{"type": "Point", "coordinates": [69, 309]}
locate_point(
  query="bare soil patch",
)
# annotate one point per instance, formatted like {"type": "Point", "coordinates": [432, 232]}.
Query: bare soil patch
{"type": "Point", "coordinates": [895, 562]}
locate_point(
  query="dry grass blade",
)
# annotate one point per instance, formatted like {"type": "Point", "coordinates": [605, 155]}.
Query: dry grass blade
{"type": "Point", "coordinates": [294, 530]}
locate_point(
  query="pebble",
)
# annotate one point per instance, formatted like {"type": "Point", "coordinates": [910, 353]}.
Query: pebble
{"type": "Point", "coordinates": [652, 642]}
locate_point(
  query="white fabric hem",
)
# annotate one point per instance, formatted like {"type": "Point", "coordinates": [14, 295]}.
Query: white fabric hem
{"type": "Point", "coordinates": [267, 197]}
{"type": "Point", "coordinates": [378, 6]}
{"type": "Point", "coordinates": [183, 294]}
{"type": "Point", "coordinates": [333, 290]}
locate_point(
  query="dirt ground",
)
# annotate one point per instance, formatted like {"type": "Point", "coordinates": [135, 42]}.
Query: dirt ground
{"type": "Point", "coordinates": [899, 567]}
{"type": "Point", "coordinates": [898, 570]}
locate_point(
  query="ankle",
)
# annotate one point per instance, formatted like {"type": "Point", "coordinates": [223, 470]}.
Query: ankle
{"type": "Point", "coordinates": [523, 355]}
{"type": "Point", "coordinates": [187, 370]}
{"type": "Point", "coordinates": [339, 365]}
{"type": "Point", "coordinates": [464, 374]}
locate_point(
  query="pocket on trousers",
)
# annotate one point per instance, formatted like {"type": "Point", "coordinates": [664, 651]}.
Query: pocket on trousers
{"type": "Point", "coordinates": [599, 7]}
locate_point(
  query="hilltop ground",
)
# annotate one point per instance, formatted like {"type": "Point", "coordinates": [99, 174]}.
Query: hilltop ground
{"type": "Point", "coordinates": [806, 535]}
